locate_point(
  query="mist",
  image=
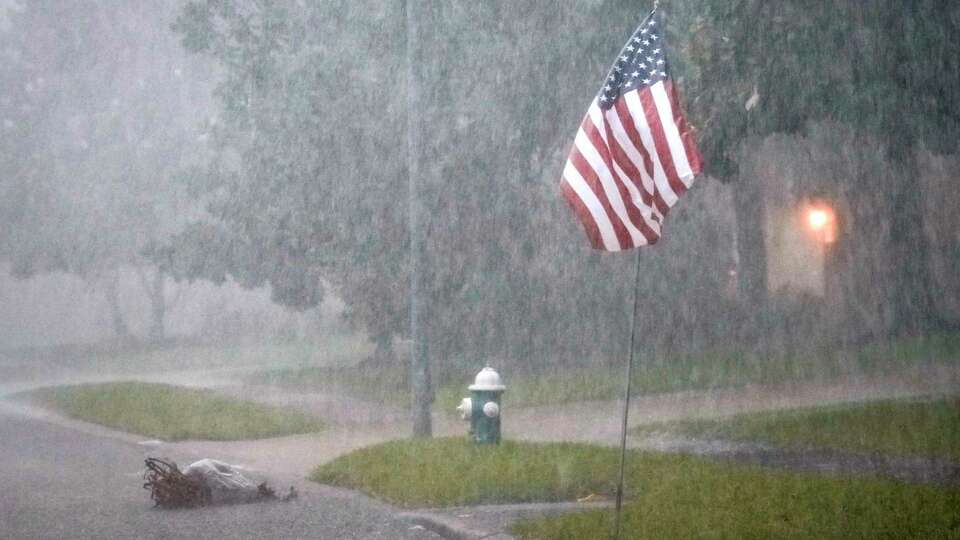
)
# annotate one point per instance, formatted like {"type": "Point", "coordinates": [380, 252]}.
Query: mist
{"type": "Point", "coordinates": [343, 211]}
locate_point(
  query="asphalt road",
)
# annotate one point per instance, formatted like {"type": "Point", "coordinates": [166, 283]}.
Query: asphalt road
{"type": "Point", "coordinates": [59, 483]}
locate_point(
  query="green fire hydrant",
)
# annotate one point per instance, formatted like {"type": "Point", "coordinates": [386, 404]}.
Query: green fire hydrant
{"type": "Point", "coordinates": [482, 408]}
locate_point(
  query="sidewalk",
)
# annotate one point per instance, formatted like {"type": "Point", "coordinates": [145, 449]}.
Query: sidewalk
{"type": "Point", "coordinates": [490, 522]}
{"type": "Point", "coordinates": [286, 461]}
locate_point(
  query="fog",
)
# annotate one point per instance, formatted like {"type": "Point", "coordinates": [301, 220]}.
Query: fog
{"type": "Point", "coordinates": [347, 209]}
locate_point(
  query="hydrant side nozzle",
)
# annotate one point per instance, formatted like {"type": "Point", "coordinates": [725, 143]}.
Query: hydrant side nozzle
{"type": "Point", "coordinates": [465, 408]}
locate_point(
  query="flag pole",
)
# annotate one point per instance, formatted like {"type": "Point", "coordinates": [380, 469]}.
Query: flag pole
{"type": "Point", "coordinates": [626, 395]}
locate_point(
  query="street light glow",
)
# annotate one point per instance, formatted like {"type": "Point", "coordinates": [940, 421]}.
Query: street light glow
{"type": "Point", "coordinates": [822, 222]}
{"type": "Point", "coordinates": [817, 219]}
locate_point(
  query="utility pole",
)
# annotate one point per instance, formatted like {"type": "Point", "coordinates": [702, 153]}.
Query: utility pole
{"type": "Point", "coordinates": [420, 382]}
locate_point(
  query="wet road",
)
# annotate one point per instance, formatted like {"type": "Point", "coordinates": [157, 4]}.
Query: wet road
{"type": "Point", "coordinates": [56, 483]}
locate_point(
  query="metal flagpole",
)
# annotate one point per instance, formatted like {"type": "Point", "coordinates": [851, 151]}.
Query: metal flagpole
{"type": "Point", "coordinates": [626, 395]}
{"type": "Point", "coordinates": [626, 390]}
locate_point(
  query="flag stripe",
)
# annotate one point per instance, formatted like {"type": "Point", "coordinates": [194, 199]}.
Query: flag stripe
{"type": "Point", "coordinates": [639, 117]}
{"type": "Point", "coordinates": [598, 132]}
{"type": "Point", "coordinates": [593, 148]}
{"type": "Point", "coordinates": [627, 157]}
{"type": "Point", "coordinates": [591, 179]}
{"type": "Point", "coordinates": [627, 141]}
{"type": "Point", "coordinates": [677, 151]}
{"type": "Point", "coordinates": [660, 142]}
{"type": "Point", "coordinates": [625, 121]}
{"type": "Point", "coordinates": [687, 134]}
{"type": "Point", "coordinates": [591, 211]}
{"type": "Point", "coordinates": [639, 201]}
{"type": "Point", "coordinates": [586, 215]}
{"type": "Point", "coordinates": [630, 128]}
{"type": "Point", "coordinates": [640, 212]}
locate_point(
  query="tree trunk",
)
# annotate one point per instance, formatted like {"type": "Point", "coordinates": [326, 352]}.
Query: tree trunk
{"type": "Point", "coordinates": [158, 307]}
{"type": "Point", "coordinates": [751, 244]}
{"type": "Point", "coordinates": [120, 328]}
{"type": "Point", "coordinates": [420, 382]}
{"type": "Point", "coordinates": [914, 310]}
{"type": "Point", "coordinates": [385, 353]}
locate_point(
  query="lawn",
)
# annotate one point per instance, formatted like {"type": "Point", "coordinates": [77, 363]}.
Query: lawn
{"type": "Point", "coordinates": [186, 355]}
{"type": "Point", "coordinates": [172, 413]}
{"type": "Point", "coordinates": [732, 369]}
{"type": "Point", "coordinates": [928, 427]}
{"type": "Point", "coordinates": [670, 496]}
{"type": "Point", "coordinates": [703, 371]}
{"type": "Point", "coordinates": [453, 471]}
{"type": "Point", "coordinates": [381, 384]}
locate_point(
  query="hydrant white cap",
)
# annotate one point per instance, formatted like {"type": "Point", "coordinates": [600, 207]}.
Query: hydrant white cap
{"type": "Point", "coordinates": [488, 379]}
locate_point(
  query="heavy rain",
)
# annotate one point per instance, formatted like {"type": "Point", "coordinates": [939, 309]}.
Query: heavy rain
{"type": "Point", "coordinates": [543, 269]}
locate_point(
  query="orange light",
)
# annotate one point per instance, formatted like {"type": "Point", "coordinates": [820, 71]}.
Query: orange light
{"type": "Point", "coordinates": [817, 219]}
{"type": "Point", "coordinates": [822, 222]}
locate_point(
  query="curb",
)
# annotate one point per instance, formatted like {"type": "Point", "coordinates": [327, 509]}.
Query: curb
{"type": "Point", "coordinates": [449, 528]}
{"type": "Point", "coordinates": [441, 522]}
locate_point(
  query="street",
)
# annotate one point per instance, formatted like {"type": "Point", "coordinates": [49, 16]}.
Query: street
{"type": "Point", "coordinates": [61, 483]}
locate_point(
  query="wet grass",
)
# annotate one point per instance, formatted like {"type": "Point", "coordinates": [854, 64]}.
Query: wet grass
{"type": "Point", "coordinates": [693, 499]}
{"type": "Point", "coordinates": [733, 369]}
{"type": "Point", "coordinates": [669, 496]}
{"type": "Point", "coordinates": [172, 413]}
{"type": "Point", "coordinates": [130, 358]}
{"type": "Point", "coordinates": [384, 384]}
{"type": "Point", "coordinates": [709, 370]}
{"type": "Point", "coordinates": [929, 428]}
{"type": "Point", "coordinates": [454, 471]}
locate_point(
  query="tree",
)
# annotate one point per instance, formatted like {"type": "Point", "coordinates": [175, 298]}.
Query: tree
{"type": "Point", "coordinates": [888, 69]}
{"type": "Point", "coordinates": [310, 179]}
{"type": "Point", "coordinates": [99, 115]}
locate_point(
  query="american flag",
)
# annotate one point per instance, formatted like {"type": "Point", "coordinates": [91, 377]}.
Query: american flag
{"type": "Point", "coordinates": [634, 154]}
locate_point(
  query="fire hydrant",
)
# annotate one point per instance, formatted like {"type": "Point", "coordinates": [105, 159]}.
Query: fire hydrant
{"type": "Point", "coordinates": [482, 408]}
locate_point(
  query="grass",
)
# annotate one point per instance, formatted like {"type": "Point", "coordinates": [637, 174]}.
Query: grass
{"type": "Point", "coordinates": [703, 371]}
{"type": "Point", "coordinates": [385, 384]}
{"type": "Point", "coordinates": [454, 471]}
{"type": "Point", "coordinates": [695, 499]}
{"type": "Point", "coordinates": [734, 369]}
{"type": "Point", "coordinates": [172, 413]}
{"type": "Point", "coordinates": [670, 496]}
{"type": "Point", "coordinates": [182, 355]}
{"type": "Point", "coordinates": [900, 427]}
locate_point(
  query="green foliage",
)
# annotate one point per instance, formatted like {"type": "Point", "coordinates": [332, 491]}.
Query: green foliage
{"type": "Point", "coordinates": [683, 497]}
{"type": "Point", "coordinates": [455, 471]}
{"type": "Point", "coordinates": [93, 140]}
{"type": "Point", "coordinates": [376, 383]}
{"type": "Point", "coordinates": [669, 496]}
{"type": "Point", "coordinates": [886, 68]}
{"type": "Point", "coordinates": [173, 413]}
{"type": "Point", "coordinates": [311, 178]}
{"type": "Point", "coordinates": [100, 115]}
{"type": "Point", "coordinates": [710, 369]}
{"type": "Point", "coordinates": [906, 428]}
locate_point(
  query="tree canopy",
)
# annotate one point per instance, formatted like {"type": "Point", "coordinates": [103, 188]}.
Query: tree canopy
{"type": "Point", "coordinates": [311, 172]}
{"type": "Point", "coordinates": [93, 144]}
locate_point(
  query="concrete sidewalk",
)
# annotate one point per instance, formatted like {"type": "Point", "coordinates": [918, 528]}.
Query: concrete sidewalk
{"type": "Point", "coordinates": [355, 424]}
{"type": "Point", "coordinates": [490, 522]}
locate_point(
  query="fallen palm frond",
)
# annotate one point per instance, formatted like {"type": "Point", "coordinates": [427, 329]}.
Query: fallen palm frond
{"type": "Point", "coordinates": [170, 488]}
